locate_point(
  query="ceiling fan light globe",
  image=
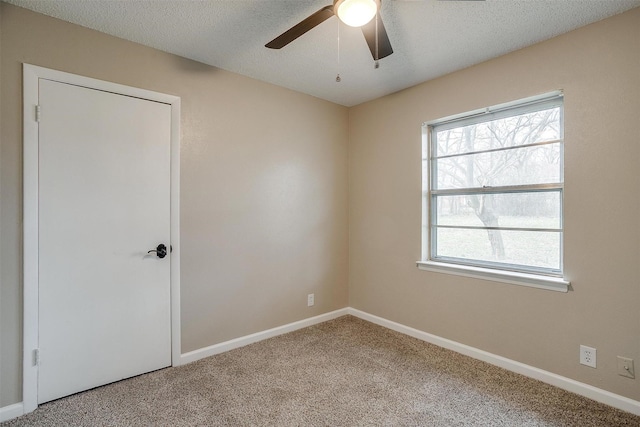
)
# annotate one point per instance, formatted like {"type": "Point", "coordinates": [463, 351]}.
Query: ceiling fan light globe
{"type": "Point", "coordinates": [356, 13]}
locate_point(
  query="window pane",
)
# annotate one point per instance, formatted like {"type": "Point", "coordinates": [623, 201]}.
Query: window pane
{"type": "Point", "coordinates": [521, 210]}
{"type": "Point", "coordinates": [518, 166]}
{"type": "Point", "coordinates": [511, 152]}
{"type": "Point", "coordinates": [522, 248]}
{"type": "Point", "coordinates": [523, 129]}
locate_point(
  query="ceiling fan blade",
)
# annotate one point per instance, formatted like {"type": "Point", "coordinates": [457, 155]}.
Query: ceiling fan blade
{"type": "Point", "coordinates": [384, 48]}
{"type": "Point", "coordinates": [299, 29]}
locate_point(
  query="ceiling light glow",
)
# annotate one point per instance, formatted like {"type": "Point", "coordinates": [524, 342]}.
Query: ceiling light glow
{"type": "Point", "coordinates": [356, 13]}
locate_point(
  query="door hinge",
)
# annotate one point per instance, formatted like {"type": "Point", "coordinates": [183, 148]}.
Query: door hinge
{"type": "Point", "coordinates": [38, 113]}
{"type": "Point", "coordinates": [36, 357]}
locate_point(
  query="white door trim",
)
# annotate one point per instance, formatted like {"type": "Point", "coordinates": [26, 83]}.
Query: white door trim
{"type": "Point", "coordinates": [31, 75]}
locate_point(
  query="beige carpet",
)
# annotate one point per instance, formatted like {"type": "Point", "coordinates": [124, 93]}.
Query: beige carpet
{"type": "Point", "coordinates": [346, 372]}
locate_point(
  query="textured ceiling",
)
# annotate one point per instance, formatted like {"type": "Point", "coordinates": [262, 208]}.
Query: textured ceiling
{"type": "Point", "coordinates": [430, 38]}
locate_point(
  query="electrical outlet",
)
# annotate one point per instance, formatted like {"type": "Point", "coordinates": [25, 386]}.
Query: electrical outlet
{"type": "Point", "coordinates": [587, 356]}
{"type": "Point", "coordinates": [625, 367]}
{"type": "Point", "coordinates": [311, 300]}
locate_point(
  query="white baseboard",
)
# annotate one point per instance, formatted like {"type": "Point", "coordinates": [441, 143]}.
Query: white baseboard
{"type": "Point", "coordinates": [192, 356]}
{"type": "Point", "coordinates": [586, 390]}
{"type": "Point", "coordinates": [10, 412]}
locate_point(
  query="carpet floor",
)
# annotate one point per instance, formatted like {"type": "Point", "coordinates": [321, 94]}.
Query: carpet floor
{"type": "Point", "coordinates": [345, 372]}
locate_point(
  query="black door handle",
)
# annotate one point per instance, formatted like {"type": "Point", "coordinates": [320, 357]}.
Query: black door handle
{"type": "Point", "coordinates": [160, 250]}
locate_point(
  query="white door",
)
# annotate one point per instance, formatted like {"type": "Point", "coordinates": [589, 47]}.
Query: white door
{"type": "Point", "coordinates": [104, 202]}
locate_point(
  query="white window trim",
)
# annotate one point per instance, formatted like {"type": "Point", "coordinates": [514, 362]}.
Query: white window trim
{"type": "Point", "coordinates": [504, 276]}
{"type": "Point", "coordinates": [539, 281]}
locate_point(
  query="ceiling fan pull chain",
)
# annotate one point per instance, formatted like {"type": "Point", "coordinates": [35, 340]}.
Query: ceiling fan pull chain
{"type": "Point", "coordinates": [338, 79]}
{"type": "Point", "coordinates": [376, 64]}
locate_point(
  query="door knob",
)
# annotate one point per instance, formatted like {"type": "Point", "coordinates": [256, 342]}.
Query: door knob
{"type": "Point", "coordinates": [160, 250]}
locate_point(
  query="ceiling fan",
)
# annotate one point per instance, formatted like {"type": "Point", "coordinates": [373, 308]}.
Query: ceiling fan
{"type": "Point", "coordinates": [355, 13]}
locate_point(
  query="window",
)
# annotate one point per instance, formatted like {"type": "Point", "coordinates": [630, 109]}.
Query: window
{"type": "Point", "coordinates": [493, 191]}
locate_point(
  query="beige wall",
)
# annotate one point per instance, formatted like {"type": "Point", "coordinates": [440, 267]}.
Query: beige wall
{"type": "Point", "coordinates": [264, 197]}
{"type": "Point", "coordinates": [263, 186]}
{"type": "Point", "coordinates": [598, 67]}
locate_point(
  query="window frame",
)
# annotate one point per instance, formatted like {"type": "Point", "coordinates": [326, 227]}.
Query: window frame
{"type": "Point", "coordinates": [539, 277]}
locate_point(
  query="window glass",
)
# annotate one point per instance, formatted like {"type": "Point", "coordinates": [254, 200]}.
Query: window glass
{"type": "Point", "coordinates": [493, 188]}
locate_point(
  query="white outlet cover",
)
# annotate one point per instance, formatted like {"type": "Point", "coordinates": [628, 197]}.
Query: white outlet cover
{"type": "Point", "coordinates": [588, 356]}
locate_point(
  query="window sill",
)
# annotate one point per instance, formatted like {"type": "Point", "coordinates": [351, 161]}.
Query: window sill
{"type": "Point", "coordinates": [514, 278]}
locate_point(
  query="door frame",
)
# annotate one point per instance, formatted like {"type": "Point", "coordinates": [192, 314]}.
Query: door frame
{"type": "Point", "coordinates": [31, 75]}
